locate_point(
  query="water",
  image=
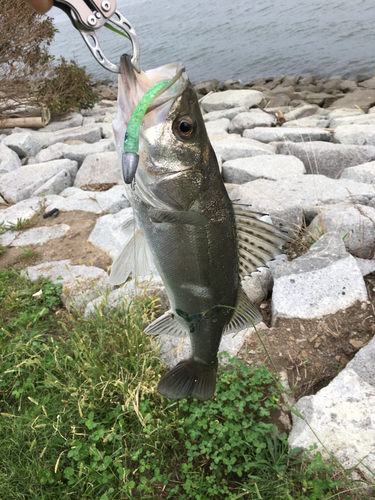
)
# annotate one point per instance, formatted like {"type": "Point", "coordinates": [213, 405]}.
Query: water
{"type": "Point", "coordinates": [243, 39]}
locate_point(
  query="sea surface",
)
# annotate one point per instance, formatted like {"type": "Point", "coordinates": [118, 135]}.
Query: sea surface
{"type": "Point", "coordinates": [241, 39]}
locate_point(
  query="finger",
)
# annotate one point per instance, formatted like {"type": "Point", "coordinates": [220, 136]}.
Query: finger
{"type": "Point", "coordinates": [41, 6]}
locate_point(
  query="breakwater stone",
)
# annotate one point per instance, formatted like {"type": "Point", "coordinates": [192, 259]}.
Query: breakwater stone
{"type": "Point", "coordinates": [232, 99]}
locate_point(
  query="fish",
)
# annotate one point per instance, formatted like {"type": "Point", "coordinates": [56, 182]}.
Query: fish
{"type": "Point", "coordinates": [186, 227]}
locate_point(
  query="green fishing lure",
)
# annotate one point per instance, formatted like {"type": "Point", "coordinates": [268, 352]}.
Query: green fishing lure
{"type": "Point", "coordinates": [130, 156]}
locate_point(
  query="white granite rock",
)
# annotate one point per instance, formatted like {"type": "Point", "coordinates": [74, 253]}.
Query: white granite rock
{"type": "Point", "coordinates": [323, 281]}
{"type": "Point", "coordinates": [286, 198]}
{"type": "Point", "coordinates": [31, 180]}
{"type": "Point", "coordinates": [109, 235]}
{"type": "Point", "coordinates": [7, 238]}
{"type": "Point", "coordinates": [360, 135]}
{"type": "Point", "coordinates": [216, 127]}
{"type": "Point", "coordinates": [9, 160]}
{"type": "Point", "coordinates": [88, 133]}
{"type": "Point", "coordinates": [107, 131]}
{"type": "Point", "coordinates": [23, 143]}
{"type": "Point", "coordinates": [360, 173]}
{"type": "Point", "coordinates": [237, 147]}
{"type": "Point", "coordinates": [366, 266]}
{"type": "Point", "coordinates": [326, 158]}
{"type": "Point", "coordinates": [224, 113]}
{"type": "Point", "coordinates": [358, 118]}
{"type": "Point", "coordinates": [81, 284]}
{"type": "Point", "coordinates": [85, 201]}
{"type": "Point", "coordinates": [268, 197]}
{"type": "Point", "coordinates": [298, 134]}
{"type": "Point", "coordinates": [251, 119]}
{"type": "Point", "coordinates": [309, 121]}
{"type": "Point", "coordinates": [99, 168]}
{"type": "Point", "coordinates": [113, 200]}
{"type": "Point", "coordinates": [25, 209]}
{"type": "Point", "coordinates": [75, 152]}
{"type": "Point", "coordinates": [63, 122]}
{"type": "Point", "coordinates": [271, 167]}
{"type": "Point", "coordinates": [40, 235]}
{"type": "Point", "coordinates": [231, 99]}
{"type": "Point", "coordinates": [354, 223]}
{"type": "Point", "coordinates": [143, 287]}
{"type": "Point", "coordinates": [302, 112]}
{"type": "Point", "coordinates": [342, 415]}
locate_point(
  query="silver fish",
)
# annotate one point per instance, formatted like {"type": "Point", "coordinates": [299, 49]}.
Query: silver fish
{"type": "Point", "coordinates": [200, 243]}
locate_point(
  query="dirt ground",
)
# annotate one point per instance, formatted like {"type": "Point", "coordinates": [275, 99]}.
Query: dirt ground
{"type": "Point", "coordinates": [312, 352]}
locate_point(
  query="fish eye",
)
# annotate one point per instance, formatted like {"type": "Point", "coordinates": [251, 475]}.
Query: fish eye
{"type": "Point", "coordinates": [184, 127]}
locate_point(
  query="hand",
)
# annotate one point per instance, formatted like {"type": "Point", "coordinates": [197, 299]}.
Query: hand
{"type": "Point", "coordinates": [41, 6]}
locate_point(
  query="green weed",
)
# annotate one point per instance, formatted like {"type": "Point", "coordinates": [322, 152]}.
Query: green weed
{"type": "Point", "coordinates": [11, 226]}
{"type": "Point", "coordinates": [80, 416]}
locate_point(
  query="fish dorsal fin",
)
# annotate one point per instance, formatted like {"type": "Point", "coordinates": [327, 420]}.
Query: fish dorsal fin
{"type": "Point", "coordinates": [135, 257]}
{"type": "Point", "coordinates": [239, 321]}
{"type": "Point", "coordinates": [167, 324]}
{"type": "Point", "coordinates": [258, 241]}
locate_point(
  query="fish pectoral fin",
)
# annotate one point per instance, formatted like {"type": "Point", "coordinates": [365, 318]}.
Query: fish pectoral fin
{"type": "Point", "coordinates": [188, 378]}
{"type": "Point", "coordinates": [258, 241]}
{"type": "Point", "coordinates": [178, 217]}
{"type": "Point", "coordinates": [246, 314]}
{"type": "Point", "coordinates": [167, 324]}
{"type": "Point", "coordinates": [135, 258]}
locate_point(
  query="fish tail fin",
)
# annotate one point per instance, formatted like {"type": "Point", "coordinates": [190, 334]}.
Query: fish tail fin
{"type": "Point", "coordinates": [189, 378]}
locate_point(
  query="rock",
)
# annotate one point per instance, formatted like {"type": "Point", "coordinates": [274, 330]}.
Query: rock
{"type": "Point", "coordinates": [278, 101]}
{"type": "Point", "coordinates": [143, 287]}
{"type": "Point", "coordinates": [285, 199]}
{"type": "Point", "coordinates": [225, 113]}
{"type": "Point", "coordinates": [271, 167]}
{"type": "Point", "coordinates": [368, 84]}
{"type": "Point", "coordinates": [309, 121]}
{"type": "Point", "coordinates": [25, 209]}
{"type": "Point", "coordinates": [341, 414]}
{"type": "Point", "coordinates": [109, 233]}
{"type": "Point", "coordinates": [356, 119]}
{"type": "Point", "coordinates": [174, 349]}
{"type": "Point", "coordinates": [268, 197]}
{"type": "Point", "coordinates": [355, 134]}
{"type": "Point", "coordinates": [231, 99]}
{"type": "Point", "coordinates": [23, 143]}
{"type": "Point", "coordinates": [83, 200]}
{"type": "Point", "coordinates": [326, 158]}
{"type": "Point", "coordinates": [298, 134]}
{"type": "Point", "coordinates": [88, 133]}
{"type": "Point", "coordinates": [30, 180]}
{"type": "Point", "coordinates": [323, 281]}
{"type": "Point", "coordinates": [366, 266]}
{"type": "Point", "coordinates": [9, 160]}
{"type": "Point", "coordinates": [361, 173]}
{"type": "Point", "coordinates": [74, 152]}
{"type": "Point", "coordinates": [107, 131]}
{"type": "Point", "coordinates": [363, 363]}
{"type": "Point", "coordinates": [251, 119]}
{"type": "Point", "coordinates": [238, 147]}
{"type": "Point", "coordinates": [113, 200]}
{"type": "Point", "coordinates": [363, 99]}
{"type": "Point", "coordinates": [321, 98]}
{"type": "Point", "coordinates": [206, 86]}
{"type": "Point", "coordinates": [354, 223]}
{"type": "Point", "coordinates": [348, 86]}
{"type": "Point", "coordinates": [40, 235]}
{"type": "Point", "coordinates": [64, 122]}
{"type": "Point", "coordinates": [301, 112]}
{"type": "Point", "coordinates": [7, 238]}
{"type": "Point", "coordinates": [80, 284]}
{"type": "Point", "coordinates": [215, 127]}
{"type": "Point", "coordinates": [101, 168]}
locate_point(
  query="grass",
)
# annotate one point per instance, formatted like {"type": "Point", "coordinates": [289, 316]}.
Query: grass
{"type": "Point", "coordinates": [80, 416]}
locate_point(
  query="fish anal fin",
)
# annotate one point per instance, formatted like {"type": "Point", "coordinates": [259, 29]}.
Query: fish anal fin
{"type": "Point", "coordinates": [167, 325]}
{"type": "Point", "coordinates": [189, 378]}
{"type": "Point", "coordinates": [246, 314]}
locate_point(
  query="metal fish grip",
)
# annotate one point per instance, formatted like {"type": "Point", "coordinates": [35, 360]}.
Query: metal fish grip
{"type": "Point", "coordinates": [88, 16]}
